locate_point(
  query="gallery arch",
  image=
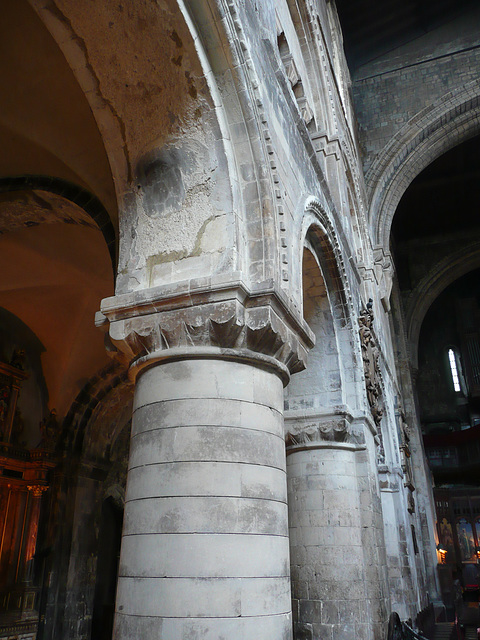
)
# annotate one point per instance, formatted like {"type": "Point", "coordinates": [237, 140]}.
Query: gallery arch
{"type": "Point", "coordinates": [440, 296]}
{"type": "Point", "coordinates": [330, 456]}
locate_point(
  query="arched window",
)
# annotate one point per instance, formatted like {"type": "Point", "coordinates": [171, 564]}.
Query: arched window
{"type": "Point", "coordinates": [452, 360]}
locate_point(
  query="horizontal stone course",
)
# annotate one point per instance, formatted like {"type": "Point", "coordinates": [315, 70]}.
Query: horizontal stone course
{"type": "Point", "coordinates": [208, 412]}
{"type": "Point", "coordinates": [215, 444]}
{"type": "Point", "coordinates": [218, 479]}
{"type": "Point", "coordinates": [277, 627]}
{"type": "Point", "coordinates": [204, 597]}
{"type": "Point", "coordinates": [204, 555]}
{"type": "Point", "coordinates": [172, 514]}
{"type": "Point", "coordinates": [226, 379]}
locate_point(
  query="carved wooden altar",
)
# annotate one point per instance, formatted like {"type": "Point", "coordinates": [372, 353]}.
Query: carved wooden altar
{"type": "Point", "coordinates": [23, 481]}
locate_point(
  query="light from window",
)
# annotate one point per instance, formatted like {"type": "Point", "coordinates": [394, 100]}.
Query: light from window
{"type": "Point", "coordinates": [453, 369]}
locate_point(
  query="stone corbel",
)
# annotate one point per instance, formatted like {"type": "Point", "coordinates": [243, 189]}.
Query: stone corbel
{"type": "Point", "coordinates": [383, 265]}
{"type": "Point", "coordinates": [231, 323]}
{"type": "Point", "coordinates": [323, 145]}
{"type": "Point", "coordinates": [291, 72]}
{"type": "Point", "coordinates": [305, 110]}
{"type": "Point", "coordinates": [389, 478]}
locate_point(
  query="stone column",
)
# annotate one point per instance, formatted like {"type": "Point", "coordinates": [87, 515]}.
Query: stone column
{"type": "Point", "coordinates": [335, 529]}
{"type": "Point", "coordinates": [36, 492]}
{"type": "Point", "coordinates": [205, 549]}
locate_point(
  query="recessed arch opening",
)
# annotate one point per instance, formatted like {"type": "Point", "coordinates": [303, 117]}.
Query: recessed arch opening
{"type": "Point", "coordinates": [55, 268]}
{"type": "Point", "coordinates": [435, 243]}
{"type": "Point", "coordinates": [320, 386]}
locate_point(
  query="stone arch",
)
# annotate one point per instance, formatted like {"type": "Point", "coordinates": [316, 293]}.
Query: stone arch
{"type": "Point", "coordinates": [431, 286]}
{"type": "Point", "coordinates": [430, 133]}
{"type": "Point", "coordinates": [220, 93]}
{"type": "Point", "coordinates": [86, 201]}
{"type": "Point", "coordinates": [318, 228]}
{"type": "Point", "coordinates": [326, 307]}
{"type": "Point", "coordinates": [320, 385]}
{"type": "Point", "coordinates": [246, 132]}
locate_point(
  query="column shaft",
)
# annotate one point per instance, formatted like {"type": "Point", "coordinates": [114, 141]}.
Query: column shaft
{"type": "Point", "coordinates": [205, 541]}
{"type": "Point", "coordinates": [333, 558]}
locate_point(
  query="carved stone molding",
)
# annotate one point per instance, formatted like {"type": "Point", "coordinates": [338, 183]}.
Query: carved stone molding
{"type": "Point", "coordinates": [338, 428]}
{"type": "Point", "coordinates": [370, 355]}
{"type": "Point", "coordinates": [220, 323]}
{"type": "Point", "coordinates": [390, 478]}
{"type": "Point", "coordinates": [383, 264]}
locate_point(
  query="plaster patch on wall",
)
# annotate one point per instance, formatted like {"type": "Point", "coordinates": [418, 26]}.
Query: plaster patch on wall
{"type": "Point", "coordinates": [181, 226]}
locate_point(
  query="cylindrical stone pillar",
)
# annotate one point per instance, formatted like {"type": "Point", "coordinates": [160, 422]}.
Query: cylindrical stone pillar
{"type": "Point", "coordinates": [205, 542]}
{"type": "Point", "coordinates": [326, 545]}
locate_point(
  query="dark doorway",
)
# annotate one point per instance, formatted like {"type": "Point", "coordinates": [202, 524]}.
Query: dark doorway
{"type": "Point", "coordinates": [107, 570]}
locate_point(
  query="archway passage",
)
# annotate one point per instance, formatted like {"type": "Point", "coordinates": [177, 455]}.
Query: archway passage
{"type": "Point", "coordinates": [55, 266]}
{"type": "Point", "coordinates": [448, 381]}
{"type": "Point", "coordinates": [53, 275]}
{"type": "Point", "coordinates": [438, 213]}
{"type": "Point", "coordinates": [58, 221]}
{"type": "Point", "coordinates": [449, 399]}
{"type": "Point", "coordinates": [436, 232]}
{"type": "Point", "coordinates": [435, 242]}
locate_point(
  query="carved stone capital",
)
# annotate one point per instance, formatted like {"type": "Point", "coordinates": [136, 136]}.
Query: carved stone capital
{"type": "Point", "coordinates": [230, 322]}
{"type": "Point", "coordinates": [337, 428]}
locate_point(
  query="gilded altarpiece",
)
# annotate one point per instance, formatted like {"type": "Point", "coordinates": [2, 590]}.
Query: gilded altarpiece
{"type": "Point", "coordinates": [23, 481]}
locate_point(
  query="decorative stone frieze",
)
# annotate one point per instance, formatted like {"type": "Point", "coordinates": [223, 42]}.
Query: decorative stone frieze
{"type": "Point", "coordinates": [228, 323]}
{"type": "Point", "coordinates": [319, 431]}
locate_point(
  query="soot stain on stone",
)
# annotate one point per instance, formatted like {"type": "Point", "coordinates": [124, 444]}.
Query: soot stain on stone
{"type": "Point", "coordinates": [176, 38]}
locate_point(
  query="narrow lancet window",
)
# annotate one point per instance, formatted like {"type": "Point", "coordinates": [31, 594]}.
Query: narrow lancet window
{"type": "Point", "coordinates": [454, 370]}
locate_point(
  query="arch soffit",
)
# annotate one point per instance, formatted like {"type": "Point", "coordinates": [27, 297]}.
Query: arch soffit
{"type": "Point", "coordinates": [318, 231]}
{"type": "Point", "coordinates": [220, 46]}
{"type": "Point", "coordinates": [438, 128]}
{"type": "Point", "coordinates": [111, 123]}
{"type": "Point", "coordinates": [431, 286]}
{"type": "Point", "coordinates": [85, 200]}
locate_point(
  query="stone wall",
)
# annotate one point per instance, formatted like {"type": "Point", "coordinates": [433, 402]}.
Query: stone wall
{"type": "Point", "coordinates": [425, 69]}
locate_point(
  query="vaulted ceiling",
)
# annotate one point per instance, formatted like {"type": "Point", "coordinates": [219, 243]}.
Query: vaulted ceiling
{"type": "Point", "coordinates": [371, 28]}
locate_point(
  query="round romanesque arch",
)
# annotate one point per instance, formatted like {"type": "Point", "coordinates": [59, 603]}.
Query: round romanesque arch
{"type": "Point", "coordinates": [327, 307]}
{"type": "Point", "coordinates": [436, 129]}
{"type": "Point", "coordinates": [431, 286]}
{"type": "Point", "coordinates": [318, 230]}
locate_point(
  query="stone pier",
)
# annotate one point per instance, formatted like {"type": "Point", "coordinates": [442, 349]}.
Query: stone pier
{"type": "Point", "coordinates": [205, 548]}
{"type": "Point", "coordinates": [336, 535]}
{"type": "Point", "coordinates": [205, 541]}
